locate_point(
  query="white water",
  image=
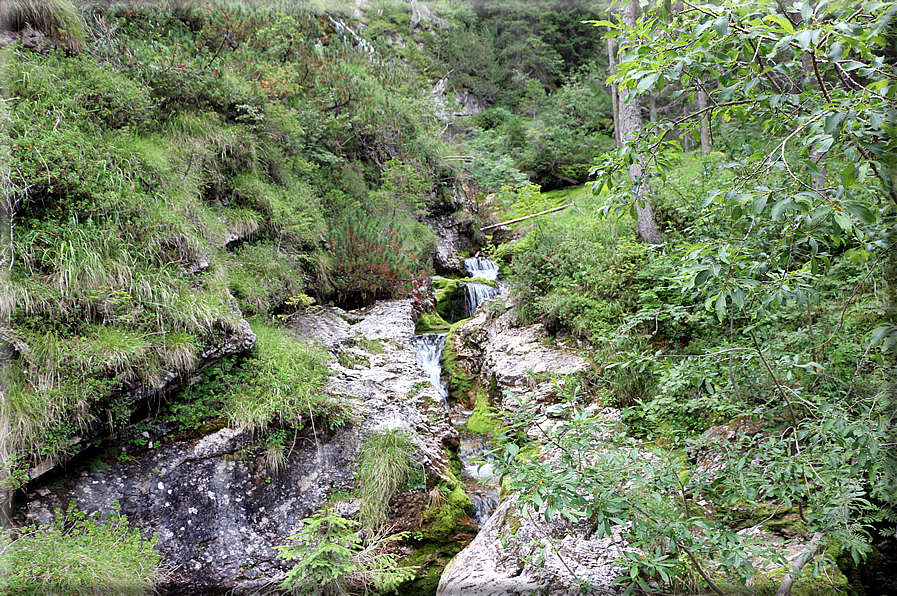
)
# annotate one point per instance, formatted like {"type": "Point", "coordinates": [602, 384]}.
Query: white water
{"type": "Point", "coordinates": [476, 294]}
{"type": "Point", "coordinates": [482, 487]}
{"type": "Point", "coordinates": [481, 267]}
{"type": "Point", "coordinates": [477, 467]}
{"type": "Point", "coordinates": [428, 349]}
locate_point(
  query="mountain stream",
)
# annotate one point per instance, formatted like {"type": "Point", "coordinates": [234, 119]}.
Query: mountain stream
{"type": "Point", "coordinates": [473, 452]}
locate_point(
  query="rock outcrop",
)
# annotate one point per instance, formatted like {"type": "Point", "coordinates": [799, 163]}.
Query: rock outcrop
{"type": "Point", "coordinates": [218, 511]}
{"type": "Point", "coordinates": [519, 359]}
{"type": "Point", "coordinates": [137, 394]}
{"type": "Point", "coordinates": [518, 554]}
{"type": "Point", "coordinates": [452, 236]}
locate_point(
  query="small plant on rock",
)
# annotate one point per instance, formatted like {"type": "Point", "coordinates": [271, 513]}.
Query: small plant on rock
{"type": "Point", "coordinates": [334, 562]}
{"type": "Point", "coordinates": [385, 463]}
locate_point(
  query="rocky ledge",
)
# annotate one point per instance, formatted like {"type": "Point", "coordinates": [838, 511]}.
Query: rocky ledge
{"type": "Point", "coordinates": [218, 512]}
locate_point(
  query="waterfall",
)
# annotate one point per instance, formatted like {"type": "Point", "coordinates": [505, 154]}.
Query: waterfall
{"type": "Point", "coordinates": [477, 468]}
{"type": "Point", "coordinates": [428, 349]}
{"type": "Point", "coordinates": [481, 267]}
{"type": "Point", "coordinates": [476, 293]}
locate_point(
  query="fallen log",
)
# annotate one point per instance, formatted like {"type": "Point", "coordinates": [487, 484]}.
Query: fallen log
{"type": "Point", "coordinates": [505, 223]}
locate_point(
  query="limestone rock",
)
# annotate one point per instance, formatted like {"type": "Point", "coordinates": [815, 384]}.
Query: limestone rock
{"type": "Point", "coordinates": [218, 511]}
{"type": "Point", "coordinates": [519, 359]}
{"type": "Point", "coordinates": [511, 556]}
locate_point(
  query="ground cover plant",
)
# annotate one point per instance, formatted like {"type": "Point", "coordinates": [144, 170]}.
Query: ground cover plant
{"type": "Point", "coordinates": [79, 555]}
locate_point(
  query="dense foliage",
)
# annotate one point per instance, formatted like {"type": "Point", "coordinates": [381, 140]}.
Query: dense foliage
{"type": "Point", "coordinates": [78, 556]}
{"type": "Point", "coordinates": [754, 349]}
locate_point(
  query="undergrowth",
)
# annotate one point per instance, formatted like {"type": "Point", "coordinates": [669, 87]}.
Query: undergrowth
{"type": "Point", "coordinates": [79, 555]}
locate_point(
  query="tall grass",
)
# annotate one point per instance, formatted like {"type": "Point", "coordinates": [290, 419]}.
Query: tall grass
{"type": "Point", "coordinates": [56, 18]}
{"type": "Point", "coordinates": [385, 463]}
{"type": "Point", "coordinates": [281, 381]}
{"type": "Point", "coordinates": [79, 556]}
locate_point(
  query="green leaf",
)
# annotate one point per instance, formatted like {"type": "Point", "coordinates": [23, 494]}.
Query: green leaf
{"type": "Point", "coordinates": [645, 83]}
{"type": "Point", "coordinates": [721, 25]}
{"type": "Point", "coordinates": [759, 204]}
{"type": "Point", "coordinates": [836, 52]}
{"type": "Point", "coordinates": [779, 208]}
{"type": "Point", "coordinates": [861, 212]}
{"type": "Point", "coordinates": [879, 334]}
{"type": "Point", "coordinates": [843, 220]}
{"type": "Point", "coordinates": [721, 306]}
{"type": "Point", "coordinates": [848, 174]}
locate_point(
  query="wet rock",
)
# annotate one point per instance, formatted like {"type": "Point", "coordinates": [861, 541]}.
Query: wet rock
{"type": "Point", "coordinates": [452, 236]}
{"type": "Point", "coordinates": [512, 556]}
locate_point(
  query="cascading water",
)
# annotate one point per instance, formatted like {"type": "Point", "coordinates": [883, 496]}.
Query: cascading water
{"type": "Point", "coordinates": [482, 487]}
{"type": "Point", "coordinates": [428, 349]}
{"type": "Point", "coordinates": [477, 470]}
{"type": "Point", "coordinates": [476, 294]}
{"type": "Point", "coordinates": [480, 268]}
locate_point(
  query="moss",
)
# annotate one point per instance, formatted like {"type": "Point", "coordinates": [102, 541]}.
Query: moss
{"type": "Point", "coordinates": [461, 383]}
{"type": "Point", "coordinates": [431, 323]}
{"type": "Point", "coordinates": [829, 582]}
{"type": "Point", "coordinates": [445, 519]}
{"type": "Point", "coordinates": [450, 296]}
{"type": "Point", "coordinates": [432, 560]}
{"type": "Point", "coordinates": [482, 420]}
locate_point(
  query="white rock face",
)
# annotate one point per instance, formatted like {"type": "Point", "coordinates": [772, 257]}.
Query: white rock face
{"type": "Point", "coordinates": [515, 553]}
{"type": "Point", "coordinates": [514, 356]}
{"type": "Point", "coordinates": [513, 556]}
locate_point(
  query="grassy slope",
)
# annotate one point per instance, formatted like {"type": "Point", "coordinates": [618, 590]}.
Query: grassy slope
{"type": "Point", "coordinates": [166, 185]}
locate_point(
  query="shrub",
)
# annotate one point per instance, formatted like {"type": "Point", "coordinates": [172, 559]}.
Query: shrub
{"type": "Point", "coordinates": [333, 561]}
{"type": "Point", "coordinates": [79, 555]}
{"type": "Point", "coordinates": [369, 261]}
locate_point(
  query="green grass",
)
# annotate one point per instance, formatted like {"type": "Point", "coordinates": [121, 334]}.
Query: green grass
{"type": "Point", "coordinates": [385, 463]}
{"type": "Point", "coordinates": [281, 381]}
{"type": "Point", "coordinates": [79, 556]}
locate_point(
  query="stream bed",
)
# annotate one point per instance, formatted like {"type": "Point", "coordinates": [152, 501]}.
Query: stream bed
{"type": "Point", "coordinates": [482, 488]}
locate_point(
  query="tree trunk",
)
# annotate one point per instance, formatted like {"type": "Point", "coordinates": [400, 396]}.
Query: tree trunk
{"type": "Point", "coordinates": [630, 122]}
{"type": "Point", "coordinates": [706, 141]}
{"type": "Point", "coordinates": [815, 545]}
{"type": "Point", "coordinates": [614, 88]}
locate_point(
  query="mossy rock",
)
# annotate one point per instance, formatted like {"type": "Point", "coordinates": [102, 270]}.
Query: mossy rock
{"type": "Point", "coordinates": [460, 383]}
{"type": "Point", "coordinates": [450, 298]}
{"type": "Point", "coordinates": [431, 323]}
{"type": "Point", "coordinates": [445, 519]}
{"type": "Point", "coordinates": [445, 532]}
{"type": "Point", "coordinates": [482, 420]}
{"type": "Point", "coordinates": [829, 582]}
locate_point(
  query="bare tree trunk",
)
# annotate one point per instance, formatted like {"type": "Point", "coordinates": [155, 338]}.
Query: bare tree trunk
{"type": "Point", "coordinates": [614, 88]}
{"type": "Point", "coordinates": [630, 122]}
{"type": "Point", "coordinates": [652, 105]}
{"type": "Point", "coordinates": [706, 142]}
{"type": "Point", "coordinates": [815, 545]}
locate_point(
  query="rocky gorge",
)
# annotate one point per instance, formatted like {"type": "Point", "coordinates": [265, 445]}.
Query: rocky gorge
{"type": "Point", "coordinates": [219, 512]}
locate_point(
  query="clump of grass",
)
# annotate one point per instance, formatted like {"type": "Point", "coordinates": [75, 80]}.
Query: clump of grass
{"type": "Point", "coordinates": [281, 380]}
{"type": "Point", "coordinates": [56, 18]}
{"type": "Point", "coordinates": [79, 556]}
{"type": "Point", "coordinates": [179, 351]}
{"type": "Point", "coordinates": [274, 459]}
{"type": "Point", "coordinates": [385, 462]}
